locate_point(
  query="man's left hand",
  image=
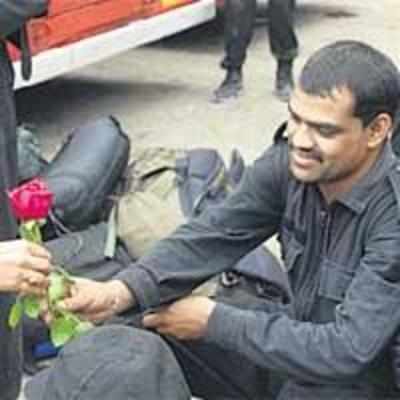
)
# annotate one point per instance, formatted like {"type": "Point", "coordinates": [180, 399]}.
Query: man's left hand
{"type": "Point", "coordinates": [184, 319]}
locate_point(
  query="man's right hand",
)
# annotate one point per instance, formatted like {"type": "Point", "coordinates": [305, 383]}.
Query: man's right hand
{"type": "Point", "coordinates": [24, 267]}
{"type": "Point", "coordinates": [97, 301]}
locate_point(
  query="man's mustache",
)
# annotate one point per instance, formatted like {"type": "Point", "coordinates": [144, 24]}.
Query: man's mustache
{"type": "Point", "coordinates": [311, 154]}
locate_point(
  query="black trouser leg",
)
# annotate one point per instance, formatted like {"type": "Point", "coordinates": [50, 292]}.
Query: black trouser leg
{"type": "Point", "coordinates": [213, 373]}
{"type": "Point", "coordinates": [10, 341]}
{"type": "Point", "coordinates": [239, 25]}
{"type": "Point", "coordinates": [282, 37]}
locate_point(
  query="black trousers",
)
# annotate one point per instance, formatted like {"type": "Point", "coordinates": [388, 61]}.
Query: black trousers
{"type": "Point", "coordinates": [10, 341]}
{"type": "Point", "coordinates": [211, 372]}
{"type": "Point", "coordinates": [239, 26]}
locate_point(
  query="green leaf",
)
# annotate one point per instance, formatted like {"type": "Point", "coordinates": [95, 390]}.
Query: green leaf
{"type": "Point", "coordinates": [83, 327]}
{"type": "Point", "coordinates": [31, 306]}
{"type": "Point", "coordinates": [57, 288]}
{"type": "Point", "coordinates": [15, 313]}
{"type": "Point", "coordinates": [67, 314]}
{"type": "Point", "coordinates": [62, 330]}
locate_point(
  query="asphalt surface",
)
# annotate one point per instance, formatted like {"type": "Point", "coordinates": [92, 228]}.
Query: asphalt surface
{"type": "Point", "coordinates": [161, 92]}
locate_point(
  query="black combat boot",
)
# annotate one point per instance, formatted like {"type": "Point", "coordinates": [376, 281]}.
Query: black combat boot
{"type": "Point", "coordinates": [284, 79]}
{"type": "Point", "coordinates": [230, 87]}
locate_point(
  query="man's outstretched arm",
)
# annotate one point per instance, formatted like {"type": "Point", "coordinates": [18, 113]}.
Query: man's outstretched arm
{"type": "Point", "coordinates": [202, 248]}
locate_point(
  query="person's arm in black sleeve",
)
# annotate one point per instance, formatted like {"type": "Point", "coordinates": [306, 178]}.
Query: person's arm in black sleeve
{"type": "Point", "coordinates": [217, 239]}
{"type": "Point", "coordinates": [364, 322]}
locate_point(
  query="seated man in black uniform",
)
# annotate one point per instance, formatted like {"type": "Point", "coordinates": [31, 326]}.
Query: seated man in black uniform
{"type": "Point", "coordinates": [329, 186]}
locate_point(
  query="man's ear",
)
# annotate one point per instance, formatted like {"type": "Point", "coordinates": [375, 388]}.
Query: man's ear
{"type": "Point", "coordinates": [379, 130]}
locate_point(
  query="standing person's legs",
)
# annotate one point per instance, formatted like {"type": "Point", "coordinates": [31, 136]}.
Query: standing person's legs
{"type": "Point", "coordinates": [10, 341]}
{"type": "Point", "coordinates": [239, 16]}
{"type": "Point", "coordinates": [283, 43]}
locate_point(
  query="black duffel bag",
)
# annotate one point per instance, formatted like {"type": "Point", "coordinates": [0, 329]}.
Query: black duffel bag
{"type": "Point", "coordinates": [85, 172]}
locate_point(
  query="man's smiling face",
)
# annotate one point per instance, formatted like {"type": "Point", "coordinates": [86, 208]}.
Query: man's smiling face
{"type": "Point", "coordinates": [327, 142]}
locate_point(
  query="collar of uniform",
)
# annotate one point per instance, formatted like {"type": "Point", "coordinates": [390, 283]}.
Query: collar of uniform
{"type": "Point", "coordinates": [361, 192]}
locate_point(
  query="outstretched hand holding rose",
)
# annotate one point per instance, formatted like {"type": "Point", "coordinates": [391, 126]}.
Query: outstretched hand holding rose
{"type": "Point", "coordinates": [38, 293]}
{"type": "Point", "coordinates": [24, 268]}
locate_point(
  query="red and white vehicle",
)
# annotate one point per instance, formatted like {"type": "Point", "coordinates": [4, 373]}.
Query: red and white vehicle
{"type": "Point", "coordinates": [76, 33]}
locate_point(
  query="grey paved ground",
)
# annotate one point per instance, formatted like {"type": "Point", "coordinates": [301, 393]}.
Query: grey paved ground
{"type": "Point", "coordinates": [160, 92]}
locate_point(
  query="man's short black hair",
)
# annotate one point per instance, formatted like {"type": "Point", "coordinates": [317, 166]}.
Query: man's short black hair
{"type": "Point", "coordinates": [371, 77]}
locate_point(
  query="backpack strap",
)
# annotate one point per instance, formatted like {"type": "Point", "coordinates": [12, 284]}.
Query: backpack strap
{"type": "Point", "coordinates": [201, 175]}
{"type": "Point", "coordinates": [20, 39]}
{"type": "Point", "coordinates": [26, 55]}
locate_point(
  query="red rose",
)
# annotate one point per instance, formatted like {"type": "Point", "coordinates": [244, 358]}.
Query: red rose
{"type": "Point", "coordinates": [31, 200]}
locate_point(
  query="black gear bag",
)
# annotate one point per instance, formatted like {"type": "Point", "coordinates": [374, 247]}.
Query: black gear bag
{"type": "Point", "coordinates": [85, 172]}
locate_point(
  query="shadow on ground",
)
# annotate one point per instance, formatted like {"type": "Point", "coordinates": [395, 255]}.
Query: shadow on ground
{"type": "Point", "coordinates": [44, 104]}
